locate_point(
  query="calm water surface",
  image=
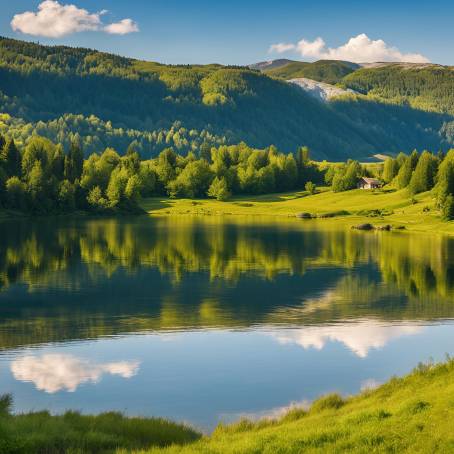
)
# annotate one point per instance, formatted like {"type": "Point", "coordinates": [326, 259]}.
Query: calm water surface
{"type": "Point", "coordinates": [210, 319]}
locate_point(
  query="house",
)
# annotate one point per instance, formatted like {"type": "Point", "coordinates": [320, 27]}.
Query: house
{"type": "Point", "coordinates": [369, 183]}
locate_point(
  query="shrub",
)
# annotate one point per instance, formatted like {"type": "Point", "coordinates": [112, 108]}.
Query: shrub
{"type": "Point", "coordinates": [310, 187]}
{"type": "Point", "coordinates": [329, 402]}
{"type": "Point", "coordinates": [447, 211]}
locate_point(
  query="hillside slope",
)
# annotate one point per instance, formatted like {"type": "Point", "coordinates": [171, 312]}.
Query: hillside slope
{"type": "Point", "coordinates": [328, 71]}
{"type": "Point", "coordinates": [423, 86]}
{"type": "Point", "coordinates": [107, 100]}
{"type": "Point", "coordinates": [271, 64]}
{"type": "Point", "coordinates": [39, 83]}
{"type": "Point", "coordinates": [410, 414]}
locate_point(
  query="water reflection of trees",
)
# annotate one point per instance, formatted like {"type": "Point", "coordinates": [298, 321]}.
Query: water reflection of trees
{"type": "Point", "coordinates": [258, 272]}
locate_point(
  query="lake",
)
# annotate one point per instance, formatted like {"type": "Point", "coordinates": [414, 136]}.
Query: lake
{"type": "Point", "coordinates": [212, 319]}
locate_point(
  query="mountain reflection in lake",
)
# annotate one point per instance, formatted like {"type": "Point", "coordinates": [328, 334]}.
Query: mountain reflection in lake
{"type": "Point", "coordinates": [209, 319]}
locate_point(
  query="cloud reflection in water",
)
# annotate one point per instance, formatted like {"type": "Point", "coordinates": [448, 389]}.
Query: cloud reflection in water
{"type": "Point", "coordinates": [56, 372]}
{"type": "Point", "coordinates": [360, 336]}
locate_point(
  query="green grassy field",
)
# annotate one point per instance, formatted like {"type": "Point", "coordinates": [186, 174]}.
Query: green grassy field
{"type": "Point", "coordinates": [398, 208]}
{"type": "Point", "coordinates": [37, 433]}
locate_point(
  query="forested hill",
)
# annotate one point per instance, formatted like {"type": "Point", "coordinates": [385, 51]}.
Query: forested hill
{"type": "Point", "coordinates": [423, 86]}
{"type": "Point", "coordinates": [107, 100]}
{"type": "Point", "coordinates": [329, 71]}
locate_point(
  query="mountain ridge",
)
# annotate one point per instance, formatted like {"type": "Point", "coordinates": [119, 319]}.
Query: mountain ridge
{"type": "Point", "coordinates": [194, 106]}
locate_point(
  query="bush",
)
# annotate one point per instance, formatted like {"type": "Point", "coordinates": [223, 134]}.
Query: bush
{"type": "Point", "coordinates": [333, 214]}
{"type": "Point", "coordinates": [310, 187]}
{"type": "Point", "coordinates": [329, 402]}
{"type": "Point", "coordinates": [447, 211]}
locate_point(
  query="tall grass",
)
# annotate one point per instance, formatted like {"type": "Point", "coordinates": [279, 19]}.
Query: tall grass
{"type": "Point", "coordinates": [40, 432]}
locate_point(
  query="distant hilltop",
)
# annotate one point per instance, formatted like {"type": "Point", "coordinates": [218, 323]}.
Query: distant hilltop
{"type": "Point", "coordinates": [272, 64]}
{"type": "Point", "coordinates": [280, 62]}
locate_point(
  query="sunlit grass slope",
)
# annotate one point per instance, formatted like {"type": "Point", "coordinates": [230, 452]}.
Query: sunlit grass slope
{"type": "Point", "coordinates": [412, 414]}
{"type": "Point", "coordinates": [398, 207]}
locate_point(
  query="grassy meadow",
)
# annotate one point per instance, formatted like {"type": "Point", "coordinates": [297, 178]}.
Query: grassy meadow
{"type": "Point", "coordinates": [378, 207]}
{"type": "Point", "coordinates": [72, 432]}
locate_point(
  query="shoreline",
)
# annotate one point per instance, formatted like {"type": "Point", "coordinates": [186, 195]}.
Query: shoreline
{"type": "Point", "coordinates": [415, 405]}
{"type": "Point", "coordinates": [380, 208]}
{"type": "Point", "coordinates": [348, 209]}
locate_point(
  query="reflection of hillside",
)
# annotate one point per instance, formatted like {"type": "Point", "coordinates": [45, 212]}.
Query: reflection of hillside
{"type": "Point", "coordinates": [174, 245]}
{"type": "Point", "coordinates": [358, 295]}
{"type": "Point", "coordinates": [70, 279]}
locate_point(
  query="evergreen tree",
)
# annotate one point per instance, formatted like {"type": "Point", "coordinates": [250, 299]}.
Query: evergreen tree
{"type": "Point", "coordinates": [414, 158]}
{"type": "Point", "coordinates": [390, 169]}
{"type": "Point", "coordinates": [424, 174]}
{"type": "Point", "coordinates": [302, 159]}
{"type": "Point", "coordinates": [74, 162]}
{"type": "Point", "coordinates": [404, 174]}
{"type": "Point", "coordinates": [11, 158]}
{"type": "Point", "coordinates": [445, 179]}
{"type": "Point", "coordinates": [58, 162]}
{"type": "Point", "coordinates": [448, 208]}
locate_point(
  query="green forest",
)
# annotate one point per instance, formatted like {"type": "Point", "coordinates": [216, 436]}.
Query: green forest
{"type": "Point", "coordinates": [103, 100]}
{"type": "Point", "coordinates": [426, 87]}
{"type": "Point", "coordinates": [329, 71]}
{"type": "Point", "coordinates": [44, 177]}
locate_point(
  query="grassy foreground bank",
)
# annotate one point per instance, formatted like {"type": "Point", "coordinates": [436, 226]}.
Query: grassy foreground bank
{"type": "Point", "coordinates": [411, 414]}
{"type": "Point", "coordinates": [39, 432]}
{"type": "Point", "coordinates": [350, 207]}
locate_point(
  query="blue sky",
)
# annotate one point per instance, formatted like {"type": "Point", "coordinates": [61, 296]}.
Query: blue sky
{"type": "Point", "coordinates": [242, 31]}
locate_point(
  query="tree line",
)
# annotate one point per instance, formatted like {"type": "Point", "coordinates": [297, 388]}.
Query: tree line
{"type": "Point", "coordinates": [43, 177]}
{"type": "Point", "coordinates": [421, 172]}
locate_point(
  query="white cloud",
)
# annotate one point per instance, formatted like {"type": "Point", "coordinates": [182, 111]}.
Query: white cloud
{"type": "Point", "coordinates": [359, 49]}
{"type": "Point", "coordinates": [55, 372]}
{"type": "Point", "coordinates": [359, 337]}
{"type": "Point", "coordinates": [54, 20]}
{"type": "Point", "coordinates": [281, 47]}
{"type": "Point", "coordinates": [123, 27]}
